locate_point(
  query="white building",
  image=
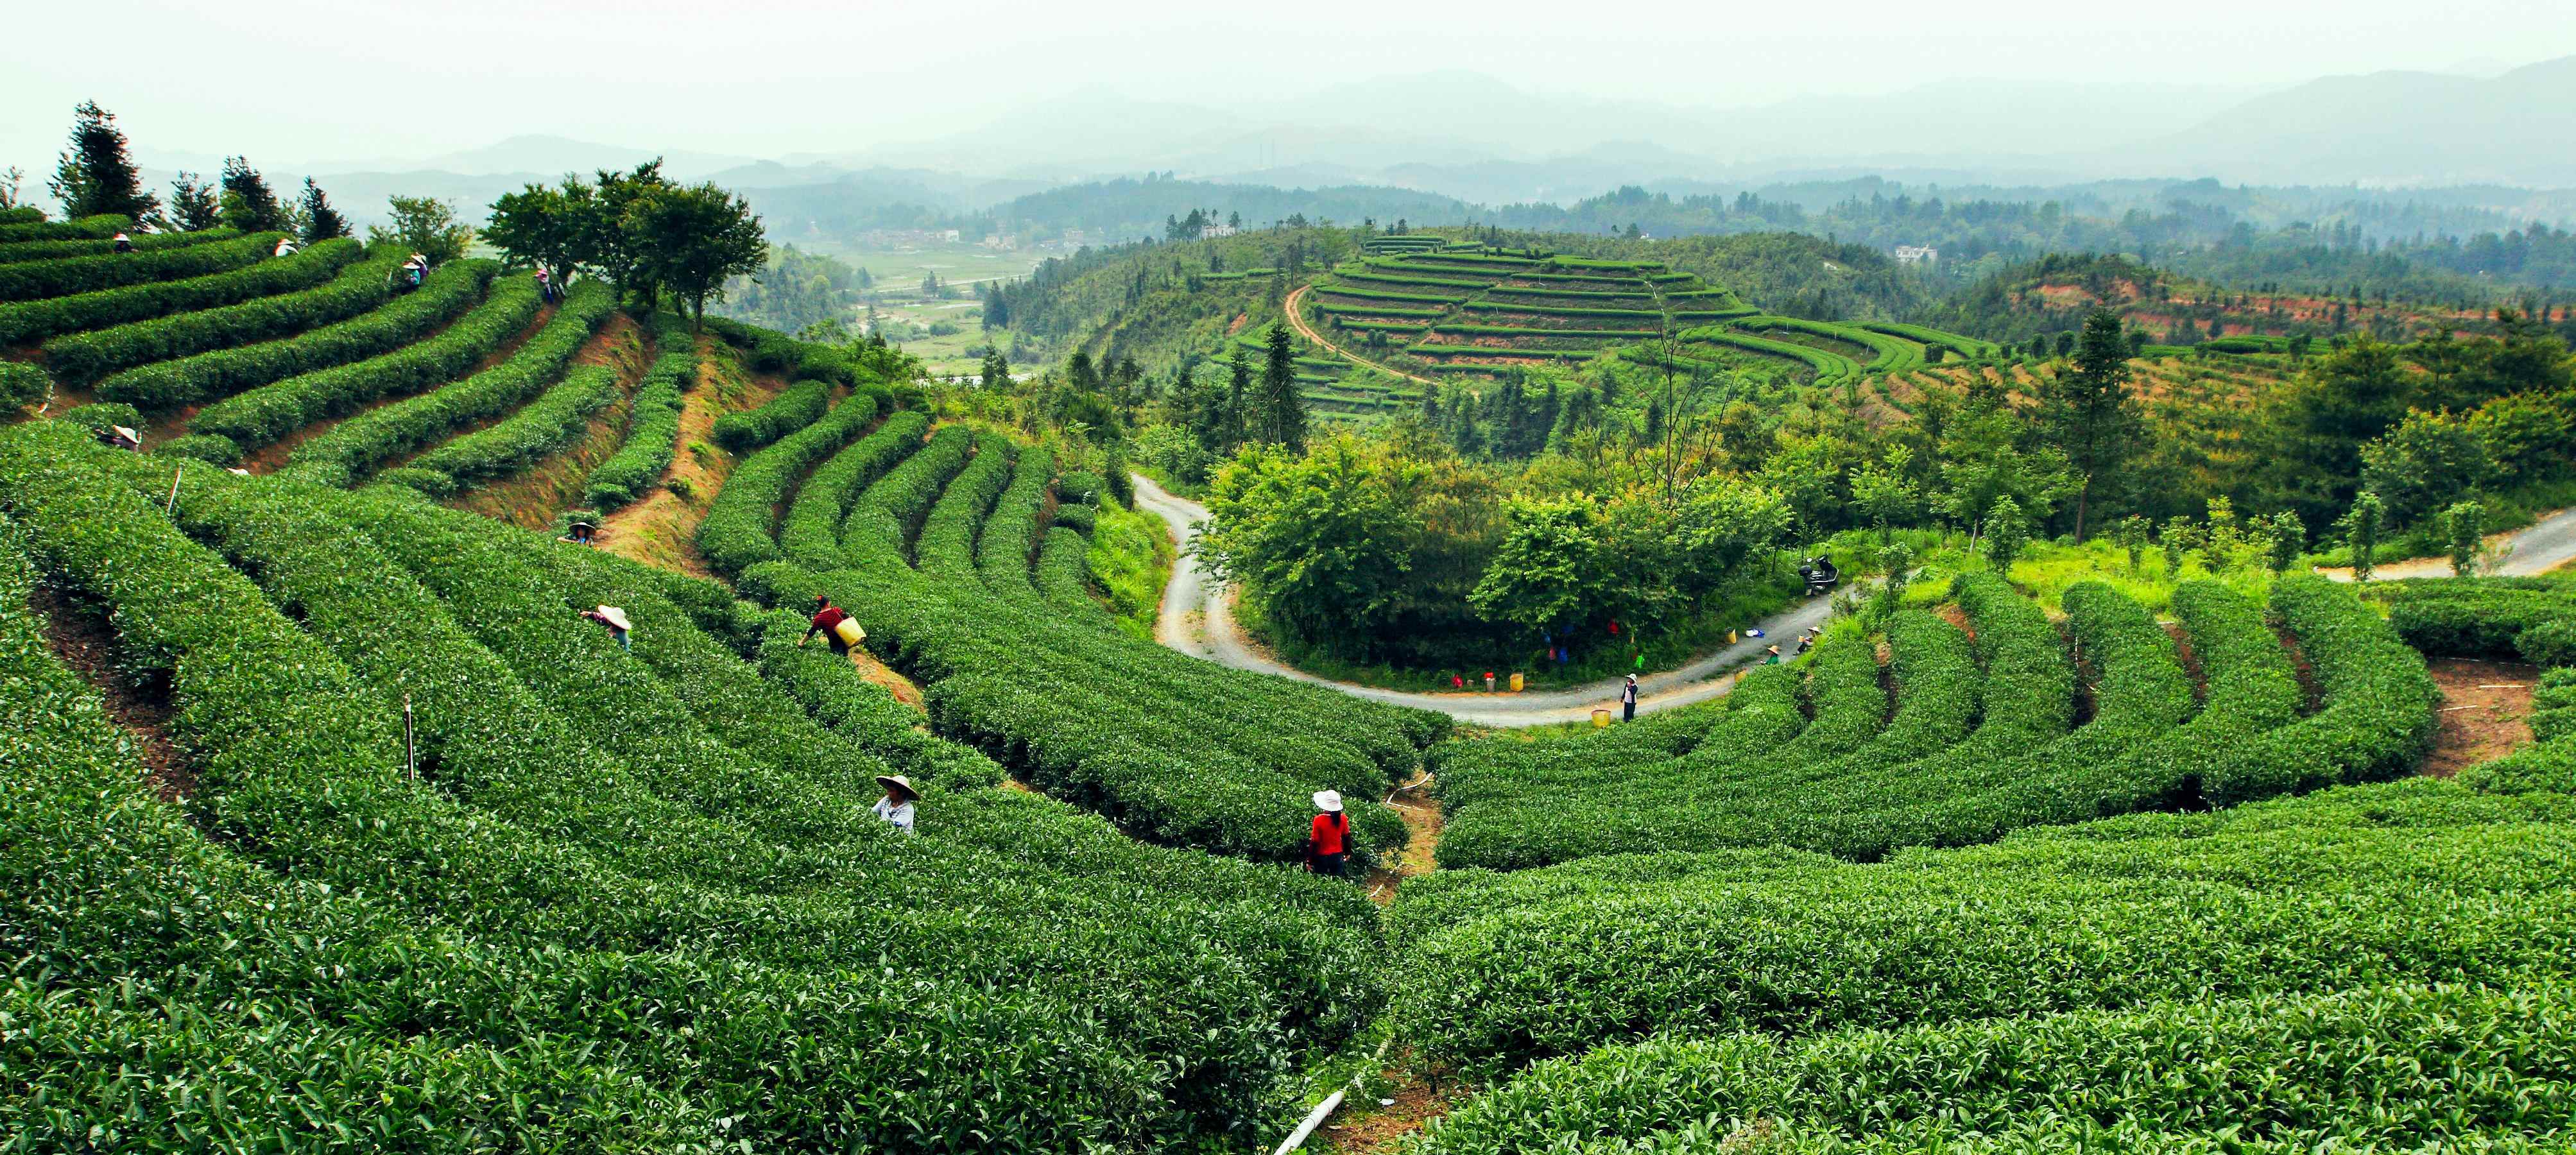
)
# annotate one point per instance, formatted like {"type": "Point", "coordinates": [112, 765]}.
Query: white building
{"type": "Point", "coordinates": [1917, 255]}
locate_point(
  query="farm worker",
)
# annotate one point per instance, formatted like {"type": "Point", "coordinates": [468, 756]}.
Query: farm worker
{"type": "Point", "coordinates": [1489, 681]}
{"type": "Point", "coordinates": [1324, 842]}
{"type": "Point", "coordinates": [1628, 700]}
{"type": "Point", "coordinates": [1774, 659]}
{"type": "Point", "coordinates": [545, 287]}
{"type": "Point", "coordinates": [838, 628]}
{"type": "Point", "coordinates": [615, 619]}
{"type": "Point", "coordinates": [124, 244]}
{"type": "Point", "coordinates": [1806, 641]}
{"type": "Point", "coordinates": [582, 533]}
{"type": "Point", "coordinates": [285, 247]}
{"type": "Point", "coordinates": [896, 806]}
{"type": "Point", "coordinates": [121, 437]}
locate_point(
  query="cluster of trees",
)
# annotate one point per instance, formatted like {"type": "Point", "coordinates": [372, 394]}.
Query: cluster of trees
{"type": "Point", "coordinates": [95, 176]}
{"type": "Point", "coordinates": [796, 291]}
{"type": "Point", "coordinates": [640, 231]}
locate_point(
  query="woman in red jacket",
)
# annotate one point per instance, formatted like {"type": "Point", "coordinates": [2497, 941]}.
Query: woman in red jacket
{"type": "Point", "coordinates": [1329, 841]}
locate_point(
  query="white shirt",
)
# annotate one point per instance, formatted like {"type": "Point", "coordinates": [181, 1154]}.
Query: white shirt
{"type": "Point", "coordinates": [899, 815]}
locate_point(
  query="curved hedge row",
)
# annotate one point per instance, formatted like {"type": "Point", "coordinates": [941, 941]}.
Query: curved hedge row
{"type": "Point", "coordinates": [653, 429]}
{"type": "Point", "coordinates": [31, 321]}
{"type": "Point", "coordinates": [548, 425]}
{"type": "Point", "coordinates": [1010, 539]}
{"type": "Point", "coordinates": [811, 534]}
{"type": "Point", "coordinates": [795, 407]}
{"type": "Point", "coordinates": [736, 533]}
{"type": "Point", "coordinates": [85, 357]}
{"type": "Point", "coordinates": [447, 294]}
{"type": "Point", "coordinates": [2377, 718]}
{"type": "Point", "coordinates": [2302, 1072]}
{"type": "Point", "coordinates": [23, 384]}
{"type": "Point", "coordinates": [880, 524]}
{"type": "Point", "coordinates": [363, 442]}
{"type": "Point", "coordinates": [2354, 887]}
{"type": "Point", "coordinates": [945, 547]}
{"type": "Point", "coordinates": [148, 242]}
{"type": "Point", "coordinates": [25, 231]}
{"type": "Point", "coordinates": [35, 280]}
{"type": "Point", "coordinates": [272, 411]}
{"type": "Point", "coordinates": [2532, 619]}
{"type": "Point", "coordinates": [1831, 368]}
{"type": "Point", "coordinates": [1063, 573]}
{"type": "Point", "coordinates": [1149, 998]}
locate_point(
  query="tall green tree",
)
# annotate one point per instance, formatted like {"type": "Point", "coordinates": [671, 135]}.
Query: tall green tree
{"type": "Point", "coordinates": [2088, 412]}
{"type": "Point", "coordinates": [2361, 530]}
{"type": "Point", "coordinates": [692, 238]}
{"type": "Point", "coordinates": [1321, 539]}
{"type": "Point", "coordinates": [95, 174]}
{"type": "Point", "coordinates": [249, 204]}
{"type": "Point", "coordinates": [2466, 522]}
{"type": "Point", "coordinates": [1237, 424]}
{"type": "Point", "coordinates": [1883, 491]}
{"type": "Point", "coordinates": [1283, 409]}
{"type": "Point", "coordinates": [1548, 572]}
{"type": "Point", "coordinates": [2283, 537]}
{"type": "Point", "coordinates": [195, 205]}
{"type": "Point", "coordinates": [609, 247]}
{"type": "Point", "coordinates": [542, 226]}
{"type": "Point", "coordinates": [321, 221]}
{"type": "Point", "coordinates": [2007, 532]}
{"type": "Point", "coordinates": [425, 225]}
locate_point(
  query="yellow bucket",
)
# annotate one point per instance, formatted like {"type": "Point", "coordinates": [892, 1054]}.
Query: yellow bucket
{"type": "Point", "coordinates": [849, 632]}
{"type": "Point", "coordinates": [1516, 683]}
{"type": "Point", "coordinates": [1601, 717]}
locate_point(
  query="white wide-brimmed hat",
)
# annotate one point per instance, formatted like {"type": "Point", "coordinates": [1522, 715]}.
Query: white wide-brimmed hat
{"type": "Point", "coordinates": [898, 784]}
{"type": "Point", "coordinates": [1328, 801]}
{"type": "Point", "coordinates": [126, 432]}
{"type": "Point", "coordinates": [616, 617]}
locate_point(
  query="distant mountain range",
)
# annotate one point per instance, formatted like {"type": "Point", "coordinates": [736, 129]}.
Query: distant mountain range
{"type": "Point", "coordinates": [1481, 140]}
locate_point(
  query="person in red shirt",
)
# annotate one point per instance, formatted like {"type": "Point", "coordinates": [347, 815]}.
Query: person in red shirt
{"type": "Point", "coordinates": [1326, 845]}
{"type": "Point", "coordinates": [827, 622]}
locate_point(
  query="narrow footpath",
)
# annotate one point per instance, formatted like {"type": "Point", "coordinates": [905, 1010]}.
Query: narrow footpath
{"type": "Point", "coordinates": [2535, 549]}
{"type": "Point", "coordinates": [1198, 620]}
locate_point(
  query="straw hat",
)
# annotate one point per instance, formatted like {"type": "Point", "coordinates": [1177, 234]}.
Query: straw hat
{"type": "Point", "coordinates": [1328, 801]}
{"type": "Point", "coordinates": [898, 784]}
{"type": "Point", "coordinates": [616, 617]}
{"type": "Point", "coordinates": [126, 433]}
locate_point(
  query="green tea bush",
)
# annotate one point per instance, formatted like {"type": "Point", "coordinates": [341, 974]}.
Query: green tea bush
{"type": "Point", "coordinates": [1008, 544]}
{"type": "Point", "coordinates": [105, 225]}
{"type": "Point", "coordinates": [394, 323]}
{"type": "Point", "coordinates": [23, 384]}
{"type": "Point", "coordinates": [355, 446]}
{"type": "Point", "coordinates": [28, 322]}
{"type": "Point", "coordinates": [146, 243]}
{"type": "Point", "coordinates": [550, 424]}
{"type": "Point", "coordinates": [36, 280]}
{"type": "Point", "coordinates": [793, 409]}
{"type": "Point", "coordinates": [736, 533]}
{"type": "Point", "coordinates": [269, 413]}
{"type": "Point", "coordinates": [86, 357]}
{"type": "Point", "coordinates": [2270, 1073]}
{"type": "Point", "coordinates": [653, 429]}
{"type": "Point", "coordinates": [2322, 892]}
{"type": "Point", "coordinates": [811, 534]}
{"type": "Point", "coordinates": [2377, 716]}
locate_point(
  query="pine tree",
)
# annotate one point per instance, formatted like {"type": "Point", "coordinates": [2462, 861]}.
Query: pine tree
{"type": "Point", "coordinates": [1283, 411]}
{"type": "Point", "coordinates": [193, 204]}
{"type": "Point", "coordinates": [321, 221]}
{"type": "Point", "coordinates": [2088, 411]}
{"type": "Point", "coordinates": [95, 176]}
{"type": "Point", "coordinates": [1236, 426]}
{"type": "Point", "coordinates": [249, 204]}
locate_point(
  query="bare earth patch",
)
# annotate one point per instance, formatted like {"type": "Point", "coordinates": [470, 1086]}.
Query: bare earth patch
{"type": "Point", "coordinates": [2484, 712]}
{"type": "Point", "coordinates": [84, 641]}
{"type": "Point", "coordinates": [1372, 1127]}
{"type": "Point", "coordinates": [662, 529]}
{"type": "Point", "coordinates": [532, 498]}
{"type": "Point", "coordinates": [1423, 818]}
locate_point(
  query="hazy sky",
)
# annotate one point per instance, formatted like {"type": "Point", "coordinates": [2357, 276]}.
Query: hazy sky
{"type": "Point", "coordinates": [295, 81]}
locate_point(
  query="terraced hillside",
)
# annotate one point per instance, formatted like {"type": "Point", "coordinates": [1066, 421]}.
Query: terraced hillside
{"type": "Point", "coordinates": [328, 821]}
{"type": "Point", "coordinates": [1473, 309]}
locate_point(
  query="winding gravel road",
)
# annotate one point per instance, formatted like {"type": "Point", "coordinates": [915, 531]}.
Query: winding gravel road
{"type": "Point", "coordinates": [2537, 548]}
{"type": "Point", "coordinates": [1198, 620]}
